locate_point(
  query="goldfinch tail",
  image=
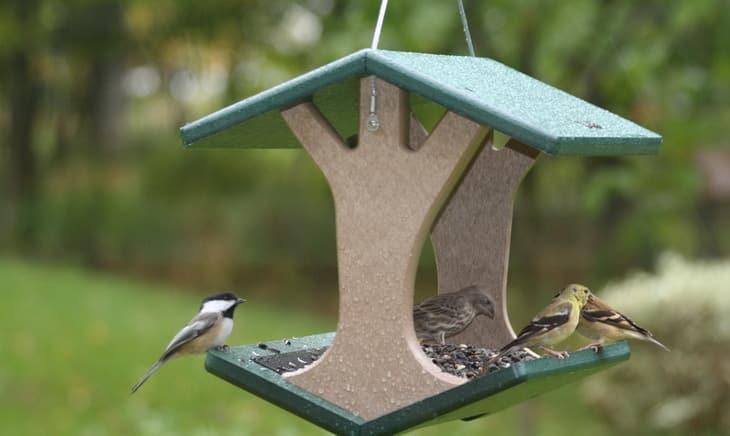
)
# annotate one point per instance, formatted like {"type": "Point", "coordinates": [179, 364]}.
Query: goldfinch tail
{"type": "Point", "coordinates": [654, 341]}
{"type": "Point", "coordinates": [147, 375]}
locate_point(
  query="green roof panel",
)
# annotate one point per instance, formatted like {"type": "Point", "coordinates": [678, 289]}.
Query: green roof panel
{"type": "Point", "coordinates": [481, 89]}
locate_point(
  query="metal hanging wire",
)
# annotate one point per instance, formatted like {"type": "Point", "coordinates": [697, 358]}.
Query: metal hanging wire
{"type": "Point", "coordinates": [379, 24]}
{"type": "Point", "coordinates": [465, 25]}
{"type": "Point", "coordinates": [373, 123]}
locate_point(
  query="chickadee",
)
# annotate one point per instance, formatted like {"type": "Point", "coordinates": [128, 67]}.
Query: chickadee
{"type": "Point", "coordinates": [208, 329]}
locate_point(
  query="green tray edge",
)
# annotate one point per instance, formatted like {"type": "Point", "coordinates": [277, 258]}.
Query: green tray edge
{"type": "Point", "coordinates": [476, 398]}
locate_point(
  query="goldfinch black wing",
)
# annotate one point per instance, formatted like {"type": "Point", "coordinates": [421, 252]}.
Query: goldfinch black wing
{"type": "Point", "coordinates": [556, 316]}
{"type": "Point", "coordinates": [613, 318]}
{"type": "Point", "coordinates": [553, 317]}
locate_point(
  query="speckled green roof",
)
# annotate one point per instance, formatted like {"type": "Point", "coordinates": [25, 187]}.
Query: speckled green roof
{"type": "Point", "coordinates": [481, 89]}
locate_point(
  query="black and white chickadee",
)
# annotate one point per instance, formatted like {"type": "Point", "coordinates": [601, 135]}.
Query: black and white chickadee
{"type": "Point", "coordinates": [208, 329]}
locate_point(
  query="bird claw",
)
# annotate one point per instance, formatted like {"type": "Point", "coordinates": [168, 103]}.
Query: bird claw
{"type": "Point", "coordinates": [223, 347]}
{"type": "Point", "coordinates": [595, 347]}
{"type": "Point", "coordinates": [562, 355]}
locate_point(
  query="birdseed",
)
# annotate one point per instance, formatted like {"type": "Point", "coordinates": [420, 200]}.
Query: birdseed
{"type": "Point", "coordinates": [470, 362]}
{"type": "Point", "coordinates": [457, 359]}
{"type": "Point", "coordinates": [291, 361]}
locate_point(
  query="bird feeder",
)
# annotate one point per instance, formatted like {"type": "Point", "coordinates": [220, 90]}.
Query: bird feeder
{"type": "Point", "coordinates": [399, 184]}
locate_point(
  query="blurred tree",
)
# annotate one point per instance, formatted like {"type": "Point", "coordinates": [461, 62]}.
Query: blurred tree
{"type": "Point", "coordinates": [94, 91]}
{"type": "Point", "coordinates": [94, 34]}
{"type": "Point", "coordinates": [23, 94]}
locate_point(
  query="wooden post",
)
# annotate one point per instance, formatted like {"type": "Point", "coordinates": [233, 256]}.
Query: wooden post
{"type": "Point", "coordinates": [386, 199]}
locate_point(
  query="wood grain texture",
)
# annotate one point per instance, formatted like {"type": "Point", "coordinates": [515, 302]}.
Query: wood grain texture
{"type": "Point", "coordinates": [386, 199]}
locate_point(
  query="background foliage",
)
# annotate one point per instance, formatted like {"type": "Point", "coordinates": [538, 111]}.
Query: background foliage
{"type": "Point", "coordinates": [697, 369]}
{"type": "Point", "coordinates": [92, 174]}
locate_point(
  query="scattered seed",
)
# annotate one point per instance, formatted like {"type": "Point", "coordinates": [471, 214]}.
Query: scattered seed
{"type": "Point", "coordinates": [460, 360]}
{"type": "Point", "coordinates": [267, 347]}
{"type": "Point", "coordinates": [467, 361]}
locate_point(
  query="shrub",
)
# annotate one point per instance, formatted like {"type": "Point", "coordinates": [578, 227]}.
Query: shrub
{"type": "Point", "coordinates": [686, 305]}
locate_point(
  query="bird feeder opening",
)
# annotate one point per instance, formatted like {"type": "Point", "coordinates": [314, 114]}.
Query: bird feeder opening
{"type": "Point", "coordinates": [396, 183]}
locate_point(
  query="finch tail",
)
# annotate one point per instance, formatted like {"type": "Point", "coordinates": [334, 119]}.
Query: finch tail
{"type": "Point", "coordinates": [147, 375]}
{"type": "Point", "coordinates": [504, 351]}
{"type": "Point", "coordinates": [654, 341]}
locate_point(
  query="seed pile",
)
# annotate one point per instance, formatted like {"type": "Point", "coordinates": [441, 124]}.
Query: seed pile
{"type": "Point", "coordinates": [468, 361]}
{"type": "Point", "coordinates": [457, 359]}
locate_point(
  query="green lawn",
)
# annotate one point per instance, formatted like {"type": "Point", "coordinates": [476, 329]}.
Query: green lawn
{"type": "Point", "coordinates": [73, 343]}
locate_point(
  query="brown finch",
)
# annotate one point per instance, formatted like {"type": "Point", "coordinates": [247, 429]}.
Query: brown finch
{"type": "Point", "coordinates": [445, 315]}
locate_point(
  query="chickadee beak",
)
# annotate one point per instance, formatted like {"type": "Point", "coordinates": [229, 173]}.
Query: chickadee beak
{"type": "Point", "coordinates": [240, 300]}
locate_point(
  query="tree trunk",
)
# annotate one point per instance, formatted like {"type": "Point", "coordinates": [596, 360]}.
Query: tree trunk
{"type": "Point", "coordinates": [24, 96]}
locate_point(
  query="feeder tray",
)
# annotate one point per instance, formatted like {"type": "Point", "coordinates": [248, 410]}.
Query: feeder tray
{"type": "Point", "coordinates": [499, 390]}
{"type": "Point", "coordinates": [394, 183]}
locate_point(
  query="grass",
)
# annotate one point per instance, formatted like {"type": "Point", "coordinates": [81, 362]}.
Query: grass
{"type": "Point", "coordinates": [74, 342]}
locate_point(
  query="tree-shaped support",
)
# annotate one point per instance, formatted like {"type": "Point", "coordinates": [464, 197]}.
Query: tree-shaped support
{"type": "Point", "coordinates": [471, 238]}
{"type": "Point", "coordinates": [388, 192]}
{"type": "Point", "coordinates": [386, 199]}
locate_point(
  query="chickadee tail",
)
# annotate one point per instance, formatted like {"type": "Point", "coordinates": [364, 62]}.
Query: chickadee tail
{"type": "Point", "coordinates": [147, 375]}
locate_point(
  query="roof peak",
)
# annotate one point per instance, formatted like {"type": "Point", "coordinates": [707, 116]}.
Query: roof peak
{"type": "Point", "coordinates": [481, 89]}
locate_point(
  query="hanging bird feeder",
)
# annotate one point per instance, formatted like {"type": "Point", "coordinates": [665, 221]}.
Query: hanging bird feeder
{"type": "Point", "coordinates": [396, 186]}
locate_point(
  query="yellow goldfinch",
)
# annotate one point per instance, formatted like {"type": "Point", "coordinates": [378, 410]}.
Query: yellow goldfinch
{"type": "Point", "coordinates": [553, 324]}
{"type": "Point", "coordinates": [603, 324]}
{"type": "Point", "coordinates": [445, 315]}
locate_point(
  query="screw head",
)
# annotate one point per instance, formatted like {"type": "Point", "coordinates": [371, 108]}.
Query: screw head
{"type": "Point", "coordinates": [373, 123]}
